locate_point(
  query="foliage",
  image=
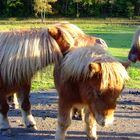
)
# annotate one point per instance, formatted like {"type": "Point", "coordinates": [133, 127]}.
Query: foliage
{"type": "Point", "coordinates": [73, 8]}
{"type": "Point", "coordinates": [117, 36]}
{"type": "Point", "coordinates": [42, 7]}
{"type": "Point", "coordinates": [14, 7]}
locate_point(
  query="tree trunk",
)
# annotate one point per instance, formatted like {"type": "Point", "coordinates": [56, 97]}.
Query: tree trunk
{"type": "Point", "coordinates": [77, 14]}
{"type": "Point", "coordinates": [42, 16]}
{"type": "Point", "coordinates": [66, 7]}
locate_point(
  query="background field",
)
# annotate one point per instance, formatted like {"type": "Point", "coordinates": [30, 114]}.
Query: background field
{"type": "Point", "coordinates": [117, 33]}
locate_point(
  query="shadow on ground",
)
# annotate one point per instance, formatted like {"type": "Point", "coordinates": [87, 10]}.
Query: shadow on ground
{"type": "Point", "coordinates": [44, 108]}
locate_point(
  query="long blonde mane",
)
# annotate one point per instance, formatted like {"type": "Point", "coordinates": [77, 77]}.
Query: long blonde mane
{"type": "Point", "coordinates": [75, 65]}
{"type": "Point", "coordinates": [24, 52]}
{"type": "Point", "coordinates": [136, 38]}
{"type": "Point", "coordinates": [73, 34]}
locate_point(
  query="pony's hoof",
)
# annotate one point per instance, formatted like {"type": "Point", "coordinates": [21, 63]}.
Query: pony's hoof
{"type": "Point", "coordinates": [32, 127]}
{"type": "Point", "coordinates": [6, 132]}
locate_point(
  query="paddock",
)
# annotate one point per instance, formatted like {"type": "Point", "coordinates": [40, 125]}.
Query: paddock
{"type": "Point", "coordinates": [44, 109]}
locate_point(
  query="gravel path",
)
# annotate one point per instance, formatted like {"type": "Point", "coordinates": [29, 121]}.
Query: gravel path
{"type": "Point", "coordinates": [44, 107]}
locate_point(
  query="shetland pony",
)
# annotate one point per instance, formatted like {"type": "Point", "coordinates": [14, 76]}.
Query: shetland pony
{"type": "Point", "coordinates": [68, 36]}
{"type": "Point", "coordinates": [22, 54]}
{"type": "Point", "coordinates": [134, 54]}
{"type": "Point", "coordinates": [90, 77]}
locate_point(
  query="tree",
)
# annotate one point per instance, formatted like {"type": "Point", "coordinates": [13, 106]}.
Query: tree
{"type": "Point", "coordinates": [77, 9]}
{"type": "Point", "coordinates": [28, 8]}
{"type": "Point", "coordinates": [15, 7]}
{"type": "Point", "coordinates": [42, 7]}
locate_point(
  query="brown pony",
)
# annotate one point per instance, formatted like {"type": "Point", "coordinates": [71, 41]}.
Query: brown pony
{"type": "Point", "coordinates": [67, 36]}
{"type": "Point", "coordinates": [134, 54]}
{"type": "Point", "coordinates": [22, 54]}
{"type": "Point", "coordinates": [90, 77]}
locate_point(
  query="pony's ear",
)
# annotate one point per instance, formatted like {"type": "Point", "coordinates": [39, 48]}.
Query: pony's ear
{"type": "Point", "coordinates": [54, 32]}
{"type": "Point", "coordinates": [94, 68]}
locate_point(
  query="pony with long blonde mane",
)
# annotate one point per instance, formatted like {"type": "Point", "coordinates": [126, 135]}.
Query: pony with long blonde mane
{"type": "Point", "coordinates": [134, 54]}
{"type": "Point", "coordinates": [22, 54]}
{"type": "Point", "coordinates": [90, 77]}
{"type": "Point", "coordinates": [27, 51]}
{"type": "Point", "coordinates": [68, 36]}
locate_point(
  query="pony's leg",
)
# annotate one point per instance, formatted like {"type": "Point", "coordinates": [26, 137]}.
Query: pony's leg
{"type": "Point", "coordinates": [4, 123]}
{"type": "Point", "coordinates": [83, 113]}
{"type": "Point", "coordinates": [64, 120]}
{"type": "Point", "coordinates": [78, 113]}
{"type": "Point", "coordinates": [13, 101]}
{"type": "Point", "coordinates": [23, 99]}
{"type": "Point", "coordinates": [90, 126]}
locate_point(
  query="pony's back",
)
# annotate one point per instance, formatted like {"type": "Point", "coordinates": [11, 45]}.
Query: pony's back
{"type": "Point", "coordinates": [24, 52]}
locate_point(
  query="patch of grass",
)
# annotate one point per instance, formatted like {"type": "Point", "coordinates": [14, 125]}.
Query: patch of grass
{"type": "Point", "coordinates": [117, 35]}
{"type": "Point", "coordinates": [118, 38]}
{"type": "Point", "coordinates": [44, 79]}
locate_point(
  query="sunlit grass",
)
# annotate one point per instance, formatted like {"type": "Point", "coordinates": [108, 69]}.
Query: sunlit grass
{"type": "Point", "coordinates": [117, 36]}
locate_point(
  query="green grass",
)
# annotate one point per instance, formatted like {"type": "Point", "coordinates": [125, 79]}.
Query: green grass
{"type": "Point", "coordinates": [43, 80]}
{"type": "Point", "coordinates": [118, 37]}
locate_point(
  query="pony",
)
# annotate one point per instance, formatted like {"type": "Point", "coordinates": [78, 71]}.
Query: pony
{"type": "Point", "coordinates": [68, 36]}
{"type": "Point", "coordinates": [22, 54]}
{"type": "Point", "coordinates": [134, 53]}
{"type": "Point", "coordinates": [90, 77]}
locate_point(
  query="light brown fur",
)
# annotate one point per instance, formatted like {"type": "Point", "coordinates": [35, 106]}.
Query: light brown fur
{"type": "Point", "coordinates": [70, 36]}
{"type": "Point", "coordinates": [22, 54]}
{"type": "Point", "coordinates": [91, 77]}
{"type": "Point", "coordinates": [67, 36]}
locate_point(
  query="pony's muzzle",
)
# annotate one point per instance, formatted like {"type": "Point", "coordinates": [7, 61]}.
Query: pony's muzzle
{"type": "Point", "coordinates": [104, 121]}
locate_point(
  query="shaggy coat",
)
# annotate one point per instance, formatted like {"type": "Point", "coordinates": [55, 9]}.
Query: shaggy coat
{"type": "Point", "coordinates": [22, 54]}
{"type": "Point", "coordinates": [66, 35]}
{"type": "Point", "coordinates": [70, 36]}
{"type": "Point", "coordinates": [90, 77]}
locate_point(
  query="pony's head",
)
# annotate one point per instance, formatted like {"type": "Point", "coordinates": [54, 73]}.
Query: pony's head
{"type": "Point", "coordinates": [101, 78]}
{"type": "Point", "coordinates": [65, 33]}
{"type": "Point", "coordinates": [134, 54]}
{"type": "Point", "coordinates": [105, 90]}
{"type": "Point", "coordinates": [68, 35]}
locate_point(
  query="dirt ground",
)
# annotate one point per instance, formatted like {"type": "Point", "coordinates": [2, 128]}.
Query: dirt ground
{"type": "Point", "coordinates": [44, 107]}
